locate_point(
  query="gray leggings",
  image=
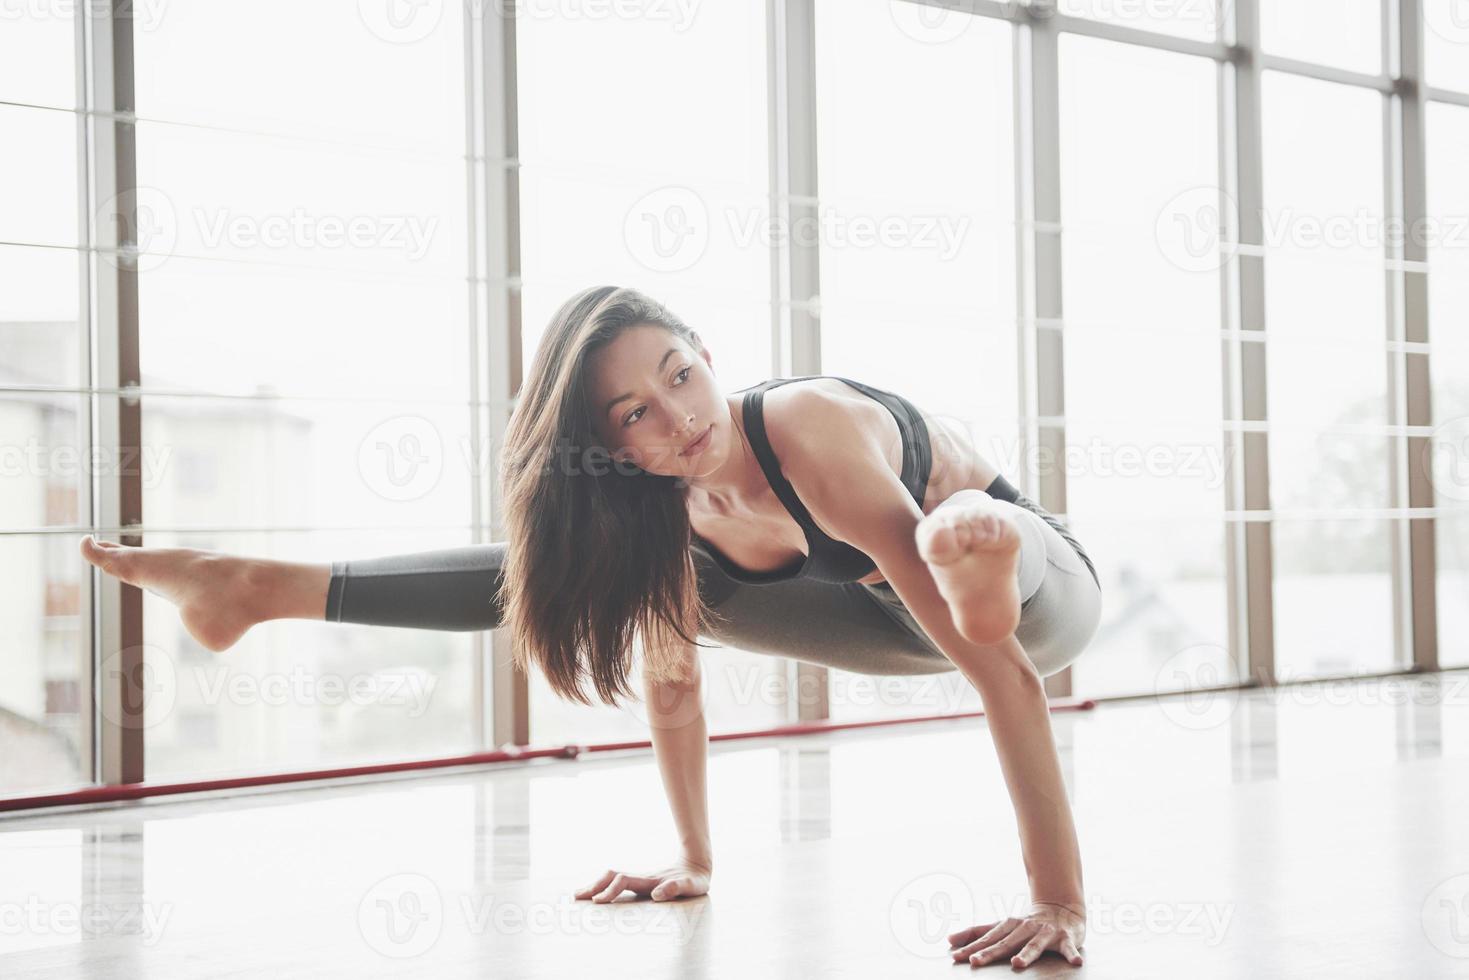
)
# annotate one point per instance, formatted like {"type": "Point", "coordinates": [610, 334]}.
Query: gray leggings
{"type": "Point", "coordinates": [856, 627]}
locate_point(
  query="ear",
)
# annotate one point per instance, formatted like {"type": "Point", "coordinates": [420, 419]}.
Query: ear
{"type": "Point", "coordinates": [704, 352]}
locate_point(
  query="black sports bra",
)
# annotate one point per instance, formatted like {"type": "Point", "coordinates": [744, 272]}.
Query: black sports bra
{"type": "Point", "coordinates": [827, 560]}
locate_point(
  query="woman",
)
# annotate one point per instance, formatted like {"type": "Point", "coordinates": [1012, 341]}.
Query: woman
{"type": "Point", "coordinates": [805, 517]}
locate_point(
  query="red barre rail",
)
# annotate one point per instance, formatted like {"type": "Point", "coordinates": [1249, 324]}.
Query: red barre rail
{"type": "Point", "coordinates": [137, 791]}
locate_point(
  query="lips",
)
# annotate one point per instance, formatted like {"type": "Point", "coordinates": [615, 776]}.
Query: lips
{"type": "Point", "coordinates": [698, 441]}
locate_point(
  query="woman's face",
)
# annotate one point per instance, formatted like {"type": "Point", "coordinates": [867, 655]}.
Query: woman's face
{"type": "Point", "coordinates": [651, 395]}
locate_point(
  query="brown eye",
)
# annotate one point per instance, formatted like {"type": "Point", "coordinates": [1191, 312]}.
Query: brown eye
{"type": "Point", "coordinates": [633, 415]}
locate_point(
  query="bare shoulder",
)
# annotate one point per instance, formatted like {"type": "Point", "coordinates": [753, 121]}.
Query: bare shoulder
{"type": "Point", "coordinates": [823, 431]}
{"type": "Point", "coordinates": [815, 426]}
{"type": "Point", "coordinates": [819, 410]}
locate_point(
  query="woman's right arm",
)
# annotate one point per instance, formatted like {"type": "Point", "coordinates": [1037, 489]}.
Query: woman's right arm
{"type": "Point", "coordinates": [681, 744]}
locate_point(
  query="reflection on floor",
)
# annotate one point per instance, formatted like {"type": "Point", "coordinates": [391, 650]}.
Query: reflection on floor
{"type": "Point", "coordinates": [1310, 831]}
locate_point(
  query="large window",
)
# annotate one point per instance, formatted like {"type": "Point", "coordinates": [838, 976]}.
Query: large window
{"type": "Point", "coordinates": [918, 272]}
{"type": "Point", "coordinates": [302, 229]}
{"type": "Point", "coordinates": [1326, 314]}
{"type": "Point", "coordinates": [1140, 272]}
{"type": "Point", "coordinates": [43, 433]}
{"type": "Point", "coordinates": [1448, 292]}
{"type": "Point", "coordinates": [655, 177]}
{"type": "Point", "coordinates": [319, 248]}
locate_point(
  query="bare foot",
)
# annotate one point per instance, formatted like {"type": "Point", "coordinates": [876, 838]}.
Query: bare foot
{"type": "Point", "coordinates": [973, 550]}
{"type": "Point", "coordinates": [214, 592]}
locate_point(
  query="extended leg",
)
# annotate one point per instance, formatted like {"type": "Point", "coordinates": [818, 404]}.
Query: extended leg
{"type": "Point", "coordinates": [219, 596]}
{"type": "Point", "coordinates": [444, 589]}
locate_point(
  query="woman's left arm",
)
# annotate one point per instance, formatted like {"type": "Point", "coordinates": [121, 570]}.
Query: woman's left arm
{"type": "Point", "coordinates": [849, 488]}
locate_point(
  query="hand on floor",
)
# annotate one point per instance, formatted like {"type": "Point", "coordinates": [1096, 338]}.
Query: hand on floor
{"type": "Point", "coordinates": [679, 880]}
{"type": "Point", "coordinates": [1046, 926]}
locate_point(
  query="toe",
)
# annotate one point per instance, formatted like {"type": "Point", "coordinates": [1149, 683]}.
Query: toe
{"type": "Point", "coordinates": [92, 552]}
{"type": "Point", "coordinates": [113, 561]}
{"type": "Point", "coordinates": [938, 540]}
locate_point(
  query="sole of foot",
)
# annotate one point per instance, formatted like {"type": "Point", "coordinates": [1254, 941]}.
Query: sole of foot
{"type": "Point", "coordinates": [973, 551]}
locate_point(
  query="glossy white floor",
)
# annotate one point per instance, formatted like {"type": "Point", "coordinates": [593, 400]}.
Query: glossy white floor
{"type": "Point", "coordinates": [1306, 832]}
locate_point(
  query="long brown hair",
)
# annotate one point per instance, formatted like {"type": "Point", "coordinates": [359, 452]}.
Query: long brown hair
{"type": "Point", "coordinates": [598, 550]}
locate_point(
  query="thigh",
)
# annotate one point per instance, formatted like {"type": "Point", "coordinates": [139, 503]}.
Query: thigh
{"type": "Point", "coordinates": [1060, 619]}
{"type": "Point", "coordinates": [1060, 600]}
{"type": "Point", "coordinates": [832, 624]}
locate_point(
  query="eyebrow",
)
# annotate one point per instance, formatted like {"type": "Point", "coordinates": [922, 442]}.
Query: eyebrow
{"type": "Point", "coordinates": [627, 394]}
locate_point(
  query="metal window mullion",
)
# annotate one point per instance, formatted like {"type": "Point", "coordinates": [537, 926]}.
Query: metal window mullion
{"type": "Point", "coordinates": [1026, 326]}
{"type": "Point", "coordinates": [1446, 95]}
{"type": "Point", "coordinates": [1140, 37]}
{"type": "Point", "coordinates": [1326, 73]}
{"type": "Point", "coordinates": [1414, 400]}
{"type": "Point", "coordinates": [1254, 477]}
{"type": "Point", "coordinates": [481, 694]}
{"type": "Point", "coordinates": [495, 337]}
{"type": "Point", "coordinates": [1045, 204]}
{"type": "Point", "coordinates": [795, 260]}
{"type": "Point", "coordinates": [1235, 564]}
{"type": "Point", "coordinates": [1393, 273]}
{"type": "Point", "coordinates": [87, 746]}
{"type": "Point", "coordinates": [111, 164]}
{"type": "Point", "coordinates": [1010, 10]}
{"type": "Point", "coordinates": [795, 269]}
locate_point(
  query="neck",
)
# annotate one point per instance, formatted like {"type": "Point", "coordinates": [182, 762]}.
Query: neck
{"type": "Point", "coordinates": [739, 477]}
